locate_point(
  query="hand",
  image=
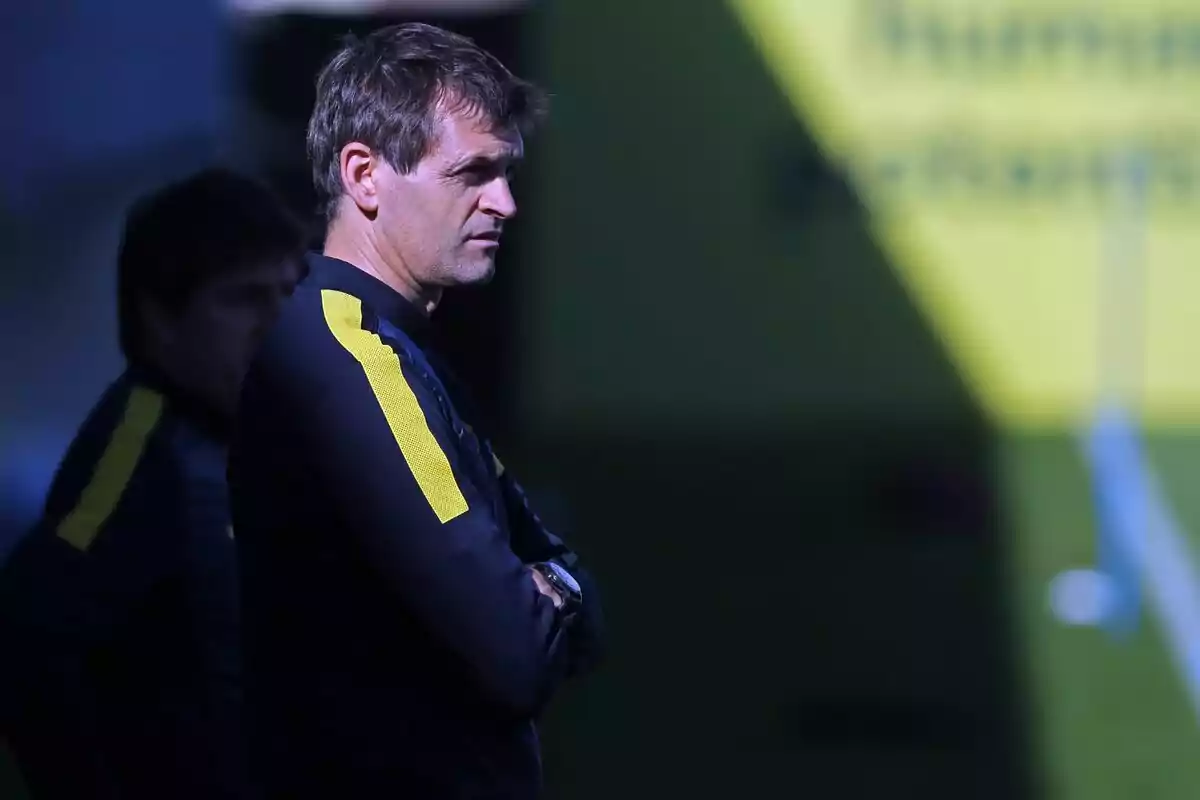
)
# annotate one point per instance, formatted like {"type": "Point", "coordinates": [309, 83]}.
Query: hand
{"type": "Point", "coordinates": [545, 588]}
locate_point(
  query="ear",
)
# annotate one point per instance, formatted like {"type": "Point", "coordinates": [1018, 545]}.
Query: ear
{"type": "Point", "coordinates": [358, 165]}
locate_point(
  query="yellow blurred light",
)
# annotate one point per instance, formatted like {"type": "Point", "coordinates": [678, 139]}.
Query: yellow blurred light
{"type": "Point", "coordinates": [990, 141]}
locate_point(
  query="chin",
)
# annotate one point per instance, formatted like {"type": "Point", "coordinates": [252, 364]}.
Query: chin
{"type": "Point", "coordinates": [477, 274]}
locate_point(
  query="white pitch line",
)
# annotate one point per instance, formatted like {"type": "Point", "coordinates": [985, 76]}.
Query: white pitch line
{"type": "Point", "coordinates": [1149, 534]}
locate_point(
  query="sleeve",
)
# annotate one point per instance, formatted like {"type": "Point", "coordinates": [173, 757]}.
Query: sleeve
{"type": "Point", "coordinates": [66, 600]}
{"type": "Point", "coordinates": [49, 714]}
{"type": "Point", "coordinates": [533, 542]}
{"type": "Point", "coordinates": [376, 441]}
{"type": "Point", "coordinates": [58, 603]}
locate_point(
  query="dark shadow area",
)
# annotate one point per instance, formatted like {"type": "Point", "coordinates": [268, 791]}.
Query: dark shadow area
{"type": "Point", "coordinates": [777, 625]}
{"type": "Point", "coordinates": [820, 606]}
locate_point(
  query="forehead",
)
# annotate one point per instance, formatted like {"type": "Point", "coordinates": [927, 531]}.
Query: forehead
{"type": "Point", "coordinates": [463, 135]}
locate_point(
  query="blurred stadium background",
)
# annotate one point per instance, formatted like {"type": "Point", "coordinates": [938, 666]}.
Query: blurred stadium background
{"type": "Point", "coordinates": [853, 341]}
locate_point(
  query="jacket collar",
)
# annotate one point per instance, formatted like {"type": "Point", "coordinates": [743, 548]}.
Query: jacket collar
{"type": "Point", "coordinates": [332, 273]}
{"type": "Point", "coordinates": [186, 405]}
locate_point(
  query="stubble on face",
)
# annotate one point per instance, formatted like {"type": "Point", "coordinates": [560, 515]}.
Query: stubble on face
{"type": "Point", "coordinates": [450, 210]}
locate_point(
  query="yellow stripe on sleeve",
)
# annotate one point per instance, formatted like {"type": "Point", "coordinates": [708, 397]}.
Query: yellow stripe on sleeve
{"type": "Point", "coordinates": [114, 470]}
{"type": "Point", "coordinates": [406, 418]}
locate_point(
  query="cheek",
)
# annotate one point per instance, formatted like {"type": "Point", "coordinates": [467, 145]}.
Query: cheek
{"type": "Point", "coordinates": [393, 213]}
{"type": "Point", "coordinates": [468, 205]}
{"type": "Point", "coordinates": [224, 332]}
{"type": "Point", "coordinates": [406, 225]}
{"type": "Point", "coordinates": [408, 203]}
{"type": "Point", "coordinates": [439, 207]}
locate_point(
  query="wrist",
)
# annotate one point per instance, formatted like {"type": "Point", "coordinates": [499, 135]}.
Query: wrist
{"type": "Point", "coordinates": [563, 584]}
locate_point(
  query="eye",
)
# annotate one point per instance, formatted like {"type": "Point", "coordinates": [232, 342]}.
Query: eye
{"type": "Point", "coordinates": [478, 173]}
{"type": "Point", "coordinates": [246, 295]}
{"type": "Point", "coordinates": [485, 170]}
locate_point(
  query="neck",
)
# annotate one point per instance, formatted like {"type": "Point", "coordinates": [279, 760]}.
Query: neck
{"type": "Point", "coordinates": [206, 409]}
{"type": "Point", "coordinates": [360, 249]}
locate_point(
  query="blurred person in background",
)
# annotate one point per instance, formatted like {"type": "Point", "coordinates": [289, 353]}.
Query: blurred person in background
{"type": "Point", "coordinates": [118, 612]}
{"type": "Point", "coordinates": [407, 615]}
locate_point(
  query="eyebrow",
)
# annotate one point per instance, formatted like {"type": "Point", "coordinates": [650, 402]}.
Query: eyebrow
{"type": "Point", "coordinates": [508, 156]}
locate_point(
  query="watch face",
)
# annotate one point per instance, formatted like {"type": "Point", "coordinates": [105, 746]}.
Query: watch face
{"type": "Point", "coordinates": [565, 577]}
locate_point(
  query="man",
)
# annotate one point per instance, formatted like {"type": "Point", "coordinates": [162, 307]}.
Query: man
{"type": "Point", "coordinates": [407, 616]}
{"type": "Point", "coordinates": [118, 612]}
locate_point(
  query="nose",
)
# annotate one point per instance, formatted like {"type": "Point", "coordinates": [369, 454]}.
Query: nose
{"type": "Point", "coordinates": [497, 199]}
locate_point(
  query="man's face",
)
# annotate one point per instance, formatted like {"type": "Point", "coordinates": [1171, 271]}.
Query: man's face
{"type": "Point", "coordinates": [444, 218]}
{"type": "Point", "coordinates": [211, 343]}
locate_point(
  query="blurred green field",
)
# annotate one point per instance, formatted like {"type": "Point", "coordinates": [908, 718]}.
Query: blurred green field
{"type": "Point", "coordinates": [1112, 718]}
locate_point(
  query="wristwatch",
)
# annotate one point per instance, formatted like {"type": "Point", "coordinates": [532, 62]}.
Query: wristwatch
{"type": "Point", "coordinates": [563, 583]}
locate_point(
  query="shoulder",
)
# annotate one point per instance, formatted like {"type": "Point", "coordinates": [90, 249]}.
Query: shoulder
{"type": "Point", "coordinates": [121, 472]}
{"type": "Point", "coordinates": [301, 326]}
{"type": "Point", "coordinates": [333, 368]}
{"type": "Point", "coordinates": [123, 429]}
{"type": "Point", "coordinates": [322, 337]}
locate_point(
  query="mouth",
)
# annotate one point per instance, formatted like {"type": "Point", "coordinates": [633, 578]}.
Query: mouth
{"type": "Point", "coordinates": [491, 237]}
